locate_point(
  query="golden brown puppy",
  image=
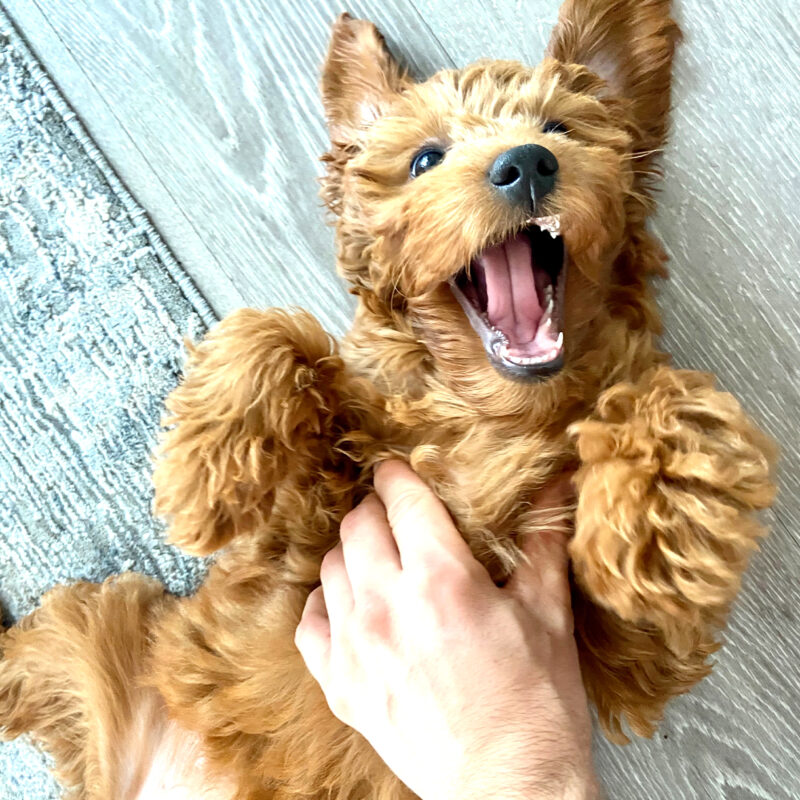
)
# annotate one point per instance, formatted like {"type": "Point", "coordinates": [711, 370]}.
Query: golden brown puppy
{"type": "Point", "coordinates": [491, 222]}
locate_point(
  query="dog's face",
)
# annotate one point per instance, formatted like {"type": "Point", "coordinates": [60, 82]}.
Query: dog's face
{"type": "Point", "coordinates": [490, 205]}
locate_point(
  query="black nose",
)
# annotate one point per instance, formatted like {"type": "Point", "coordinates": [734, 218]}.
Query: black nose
{"type": "Point", "coordinates": [525, 175]}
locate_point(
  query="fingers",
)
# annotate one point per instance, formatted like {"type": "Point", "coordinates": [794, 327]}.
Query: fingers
{"type": "Point", "coordinates": [324, 615]}
{"type": "Point", "coordinates": [545, 575]}
{"type": "Point", "coordinates": [313, 637]}
{"type": "Point", "coordinates": [419, 521]}
{"type": "Point", "coordinates": [370, 552]}
{"type": "Point", "coordinates": [336, 588]}
{"type": "Point", "coordinates": [366, 556]}
{"type": "Point", "coordinates": [542, 583]}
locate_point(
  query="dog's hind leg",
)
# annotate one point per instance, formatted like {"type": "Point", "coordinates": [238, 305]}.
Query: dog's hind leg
{"type": "Point", "coordinates": [69, 677]}
{"type": "Point", "coordinates": [264, 398]}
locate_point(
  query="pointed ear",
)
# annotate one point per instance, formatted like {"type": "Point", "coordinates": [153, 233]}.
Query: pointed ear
{"type": "Point", "coordinates": [630, 44]}
{"type": "Point", "coordinates": [359, 78]}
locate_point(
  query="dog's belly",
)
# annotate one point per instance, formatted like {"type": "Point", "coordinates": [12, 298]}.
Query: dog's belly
{"type": "Point", "coordinates": [163, 761]}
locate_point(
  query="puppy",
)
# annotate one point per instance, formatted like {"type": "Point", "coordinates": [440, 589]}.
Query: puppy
{"type": "Point", "coordinates": [491, 222]}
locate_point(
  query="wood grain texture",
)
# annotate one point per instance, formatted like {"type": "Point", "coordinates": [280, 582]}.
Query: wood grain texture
{"type": "Point", "coordinates": [218, 102]}
{"type": "Point", "coordinates": [221, 101]}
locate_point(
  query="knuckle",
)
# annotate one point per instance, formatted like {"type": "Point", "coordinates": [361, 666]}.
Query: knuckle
{"type": "Point", "coordinates": [373, 620]}
{"type": "Point", "coordinates": [460, 588]}
{"type": "Point", "coordinates": [441, 581]}
{"type": "Point", "coordinates": [427, 576]}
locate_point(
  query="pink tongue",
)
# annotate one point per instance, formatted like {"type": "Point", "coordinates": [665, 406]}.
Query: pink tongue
{"type": "Point", "coordinates": [512, 303]}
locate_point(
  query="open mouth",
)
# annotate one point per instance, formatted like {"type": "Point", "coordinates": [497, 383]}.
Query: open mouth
{"type": "Point", "coordinates": [512, 293]}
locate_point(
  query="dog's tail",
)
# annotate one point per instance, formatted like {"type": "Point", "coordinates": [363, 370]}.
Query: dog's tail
{"type": "Point", "coordinates": [69, 672]}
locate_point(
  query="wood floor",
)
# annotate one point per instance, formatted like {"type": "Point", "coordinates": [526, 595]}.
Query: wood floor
{"type": "Point", "coordinates": [208, 110]}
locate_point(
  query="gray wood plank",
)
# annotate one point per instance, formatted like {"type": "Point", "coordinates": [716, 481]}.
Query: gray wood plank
{"type": "Point", "coordinates": [209, 110]}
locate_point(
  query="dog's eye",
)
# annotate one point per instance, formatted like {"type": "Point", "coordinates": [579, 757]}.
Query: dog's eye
{"type": "Point", "coordinates": [424, 160]}
{"type": "Point", "coordinates": [554, 126]}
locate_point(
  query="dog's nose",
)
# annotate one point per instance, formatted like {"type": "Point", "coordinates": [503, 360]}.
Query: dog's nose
{"type": "Point", "coordinates": [524, 175]}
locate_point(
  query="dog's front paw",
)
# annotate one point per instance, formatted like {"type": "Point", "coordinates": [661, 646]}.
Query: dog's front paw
{"type": "Point", "coordinates": [257, 399]}
{"type": "Point", "coordinates": [671, 471]}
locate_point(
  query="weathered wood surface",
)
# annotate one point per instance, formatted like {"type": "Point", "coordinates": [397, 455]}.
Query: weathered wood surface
{"type": "Point", "coordinates": [209, 111]}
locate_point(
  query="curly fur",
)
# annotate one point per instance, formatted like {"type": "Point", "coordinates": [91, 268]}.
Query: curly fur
{"type": "Point", "coordinates": [272, 435]}
{"type": "Point", "coordinates": [70, 676]}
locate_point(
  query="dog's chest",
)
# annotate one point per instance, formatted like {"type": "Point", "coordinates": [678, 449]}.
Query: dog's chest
{"type": "Point", "coordinates": [491, 484]}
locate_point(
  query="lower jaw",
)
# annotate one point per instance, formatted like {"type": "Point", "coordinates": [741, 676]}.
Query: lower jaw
{"type": "Point", "coordinates": [525, 373]}
{"type": "Point", "coordinates": [495, 342]}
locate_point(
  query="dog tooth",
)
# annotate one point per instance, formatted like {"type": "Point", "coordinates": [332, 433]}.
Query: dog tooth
{"type": "Point", "coordinates": [523, 361]}
{"type": "Point", "coordinates": [551, 224]}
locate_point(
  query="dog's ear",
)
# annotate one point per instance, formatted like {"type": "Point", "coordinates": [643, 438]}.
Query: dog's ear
{"type": "Point", "coordinates": [630, 44]}
{"type": "Point", "coordinates": [359, 78]}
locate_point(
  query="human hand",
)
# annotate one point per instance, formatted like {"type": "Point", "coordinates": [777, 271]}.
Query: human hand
{"type": "Point", "coordinates": [466, 690]}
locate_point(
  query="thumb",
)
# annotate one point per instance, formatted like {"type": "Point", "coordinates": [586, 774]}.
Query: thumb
{"type": "Point", "coordinates": [542, 576]}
